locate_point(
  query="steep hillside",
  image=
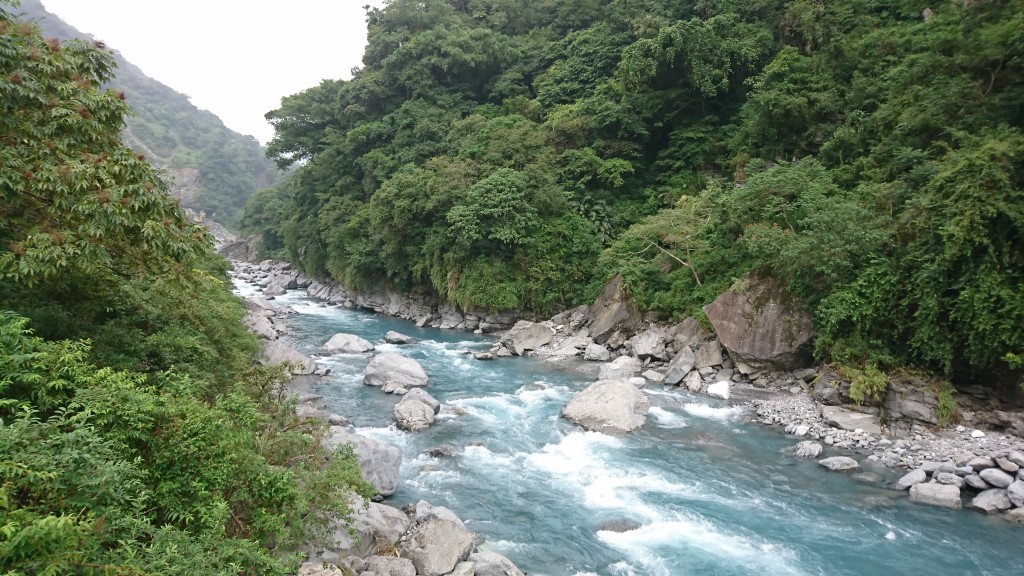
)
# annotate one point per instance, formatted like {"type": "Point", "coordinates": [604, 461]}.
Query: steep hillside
{"type": "Point", "coordinates": [214, 168]}
{"type": "Point", "coordinates": [505, 153]}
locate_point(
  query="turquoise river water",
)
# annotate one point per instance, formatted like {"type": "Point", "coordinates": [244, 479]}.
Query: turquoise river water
{"type": "Point", "coordinates": [543, 492]}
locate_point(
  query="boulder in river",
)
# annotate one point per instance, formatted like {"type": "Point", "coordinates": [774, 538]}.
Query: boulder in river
{"type": "Point", "coordinates": [839, 463]}
{"type": "Point", "coordinates": [807, 449]}
{"type": "Point", "coordinates": [342, 343]}
{"type": "Point", "coordinates": [393, 337]}
{"type": "Point", "coordinates": [612, 406]}
{"type": "Point", "coordinates": [393, 367]}
{"type": "Point", "coordinates": [379, 463]}
{"type": "Point", "coordinates": [416, 410]}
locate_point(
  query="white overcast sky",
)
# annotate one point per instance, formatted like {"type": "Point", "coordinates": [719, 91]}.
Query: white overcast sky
{"type": "Point", "coordinates": [235, 58]}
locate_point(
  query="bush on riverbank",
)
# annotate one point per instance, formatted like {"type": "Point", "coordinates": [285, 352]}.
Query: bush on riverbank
{"type": "Point", "coordinates": [136, 434]}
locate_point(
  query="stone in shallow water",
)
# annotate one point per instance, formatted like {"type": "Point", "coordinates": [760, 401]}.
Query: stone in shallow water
{"type": "Point", "coordinates": [839, 463]}
{"type": "Point", "coordinates": [808, 449]}
{"type": "Point", "coordinates": [619, 525]}
{"type": "Point", "coordinates": [393, 337]}
{"type": "Point", "coordinates": [342, 343]}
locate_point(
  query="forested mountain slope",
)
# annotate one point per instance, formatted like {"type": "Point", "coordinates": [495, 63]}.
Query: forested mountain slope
{"type": "Point", "coordinates": [215, 168]}
{"type": "Point", "coordinates": [507, 153]}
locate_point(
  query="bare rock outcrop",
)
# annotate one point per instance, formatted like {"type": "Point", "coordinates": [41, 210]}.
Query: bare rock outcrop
{"type": "Point", "coordinates": [613, 311]}
{"type": "Point", "coordinates": [762, 325]}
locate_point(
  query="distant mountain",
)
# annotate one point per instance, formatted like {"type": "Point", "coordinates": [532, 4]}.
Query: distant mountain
{"type": "Point", "coordinates": [215, 169]}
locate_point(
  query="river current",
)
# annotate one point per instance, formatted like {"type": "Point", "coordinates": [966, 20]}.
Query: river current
{"type": "Point", "coordinates": [697, 490]}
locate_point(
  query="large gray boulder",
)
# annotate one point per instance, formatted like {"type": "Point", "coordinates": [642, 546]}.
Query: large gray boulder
{"type": "Point", "coordinates": [680, 366]}
{"type": "Point", "coordinates": [933, 494]}
{"type": "Point", "coordinates": [708, 354]}
{"type": "Point", "coordinates": [390, 566]}
{"type": "Point", "coordinates": [342, 343]}
{"type": "Point", "coordinates": [596, 353]}
{"type": "Point", "coordinates": [807, 449]}
{"type": "Point", "coordinates": [762, 325]}
{"type": "Point", "coordinates": [611, 406]}
{"type": "Point", "coordinates": [276, 352]}
{"type": "Point", "coordinates": [260, 325]}
{"type": "Point", "coordinates": [839, 463]}
{"type": "Point", "coordinates": [493, 564]}
{"type": "Point", "coordinates": [416, 410]}
{"type": "Point", "coordinates": [621, 367]}
{"type": "Point", "coordinates": [613, 311]}
{"type": "Point", "coordinates": [379, 463]}
{"type": "Point", "coordinates": [911, 478]}
{"type": "Point", "coordinates": [689, 332]}
{"type": "Point", "coordinates": [526, 335]}
{"type": "Point", "coordinates": [435, 545]}
{"type": "Point", "coordinates": [996, 477]}
{"type": "Point", "coordinates": [991, 501]}
{"type": "Point", "coordinates": [375, 525]}
{"type": "Point", "coordinates": [649, 344]}
{"type": "Point", "coordinates": [393, 367]}
{"type": "Point", "coordinates": [1015, 492]}
{"type": "Point", "coordinates": [393, 337]}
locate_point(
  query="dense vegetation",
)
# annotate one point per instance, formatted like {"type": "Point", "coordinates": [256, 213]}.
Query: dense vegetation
{"type": "Point", "coordinates": [136, 434]}
{"type": "Point", "coordinates": [507, 154]}
{"type": "Point", "coordinates": [216, 169]}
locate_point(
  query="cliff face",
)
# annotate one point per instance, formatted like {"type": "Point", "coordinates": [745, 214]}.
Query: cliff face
{"type": "Point", "coordinates": [214, 169]}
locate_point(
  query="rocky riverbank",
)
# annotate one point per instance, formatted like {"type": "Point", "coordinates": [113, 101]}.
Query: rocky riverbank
{"type": "Point", "coordinates": [418, 540]}
{"type": "Point", "coordinates": [747, 359]}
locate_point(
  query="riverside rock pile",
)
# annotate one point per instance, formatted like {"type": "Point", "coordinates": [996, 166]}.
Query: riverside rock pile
{"type": "Point", "coordinates": [611, 339]}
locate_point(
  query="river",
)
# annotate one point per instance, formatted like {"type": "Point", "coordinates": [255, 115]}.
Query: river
{"type": "Point", "coordinates": [697, 490]}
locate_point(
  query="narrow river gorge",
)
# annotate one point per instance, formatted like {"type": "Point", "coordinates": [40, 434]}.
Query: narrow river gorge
{"type": "Point", "coordinates": [697, 490]}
